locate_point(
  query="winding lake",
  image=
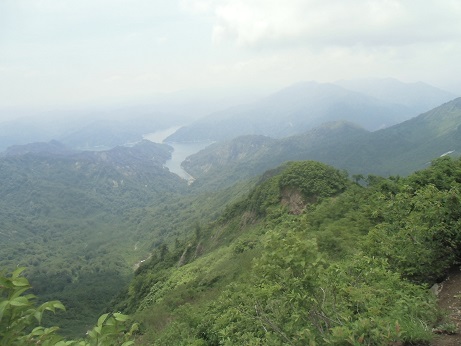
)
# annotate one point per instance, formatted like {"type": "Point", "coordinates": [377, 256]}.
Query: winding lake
{"type": "Point", "coordinates": [180, 153]}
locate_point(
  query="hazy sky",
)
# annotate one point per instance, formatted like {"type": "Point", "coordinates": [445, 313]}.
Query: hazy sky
{"type": "Point", "coordinates": [55, 52]}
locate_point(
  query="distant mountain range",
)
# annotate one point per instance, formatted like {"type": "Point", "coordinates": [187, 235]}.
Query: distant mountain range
{"type": "Point", "coordinates": [419, 97]}
{"type": "Point", "coordinates": [400, 149]}
{"type": "Point", "coordinates": [88, 130]}
{"type": "Point", "coordinates": [372, 104]}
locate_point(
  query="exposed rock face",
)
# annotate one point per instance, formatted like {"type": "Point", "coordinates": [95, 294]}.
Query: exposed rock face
{"type": "Point", "coordinates": [293, 200]}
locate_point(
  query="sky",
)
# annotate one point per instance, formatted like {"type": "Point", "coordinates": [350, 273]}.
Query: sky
{"type": "Point", "coordinates": [72, 52]}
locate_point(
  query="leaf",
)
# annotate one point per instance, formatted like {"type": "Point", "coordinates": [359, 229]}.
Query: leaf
{"type": "Point", "coordinates": [52, 306]}
{"type": "Point", "coordinates": [19, 292]}
{"type": "Point", "coordinates": [21, 282]}
{"type": "Point", "coordinates": [121, 317]}
{"type": "Point", "coordinates": [19, 301]}
{"type": "Point", "coordinates": [134, 328]}
{"type": "Point", "coordinates": [38, 316]}
{"type": "Point", "coordinates": [58, 305]}
{"type": "Point", "coordinates": [37, 331]}
{"type": "Point", "coordinates": [17, 272]}
{"type": "Point", "coordinates": [127, 343]}
{"type": "Point", "coordinates": [110, 322]}
{"type": "Point", "coordinates": [98, 329]}
{"type": "Point", "coordinates": [4, 282]}
{"type": "Point", "coordinates": [51, 330]}
{"type": "Point", "coordinates": [92, 334]}
{"type": "Point", "coordinates": [3, 306]}
{"type": "Point", "coordinates": [102, 319]}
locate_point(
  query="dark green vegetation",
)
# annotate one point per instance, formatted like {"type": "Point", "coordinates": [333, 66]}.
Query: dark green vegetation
{"type": "Point", "coordinates": [308, 258]}
{"type": "Point", "coordinates": [400, 149]}
{"type": "Point", "coordinates": [79, 222]}
{"type": "Point", "coordinates": [21, 320]}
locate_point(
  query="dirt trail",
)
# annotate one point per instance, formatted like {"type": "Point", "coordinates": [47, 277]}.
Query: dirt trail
{"type": "Point", "coordinates": [450, 301]}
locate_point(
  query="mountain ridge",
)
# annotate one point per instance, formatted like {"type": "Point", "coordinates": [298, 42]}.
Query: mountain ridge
{"type": "Point", "coordinates": [304, 105]}
{"type": "Point", "coordinates": [399, 149]}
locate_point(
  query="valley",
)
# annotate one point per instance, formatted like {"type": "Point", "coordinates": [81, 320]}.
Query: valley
{"type": "Point", "coordinates": [253, 239]}
{"type": "Point", "coordinates": [225, 173]}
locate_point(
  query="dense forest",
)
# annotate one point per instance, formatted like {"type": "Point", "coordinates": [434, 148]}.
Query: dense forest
{"type": "Point", "coordinates": [309, 256]}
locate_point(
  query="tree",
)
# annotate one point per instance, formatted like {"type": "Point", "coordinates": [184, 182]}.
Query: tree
{"type": "Point", "coordinates": [21, 319]}
{"type": "Point", "coordinates": [419, 234]}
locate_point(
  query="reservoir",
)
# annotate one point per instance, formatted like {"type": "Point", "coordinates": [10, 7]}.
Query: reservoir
{"type": "Point", "coordinates": [180, 153]}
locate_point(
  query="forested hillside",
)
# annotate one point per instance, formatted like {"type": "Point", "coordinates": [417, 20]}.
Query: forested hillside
{"type": "Point", "coordinates": [309, 257]}
{"type": "Point", "coordinates": [81, 221]}
{"type": "Point", "coordinates": [400, 149]}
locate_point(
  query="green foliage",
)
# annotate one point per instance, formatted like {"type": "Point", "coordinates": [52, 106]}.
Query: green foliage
{"type": "Point", "coordinates": [338, 222]}
{"type": "Point", "coordinates": [444, 173]}
{"type": "Point", "coordinates": [349, 270]}
{"type": "Point", "coordinates": [365, 302]}
{"type": "Point", "coordinates": [81, 223]}
{"type": "Point", "coordinates": [345, 269]}
{"type": "Point", "coordinates": [420, 232]}
{"type": "Point", "coordinates": [18, 313]}
{"type": "Point", "coordinates": [313, 179]}
{"type": "Point", "coordinates": [21, 319]}
{"type": "Point", "coordinates": [293, 297]}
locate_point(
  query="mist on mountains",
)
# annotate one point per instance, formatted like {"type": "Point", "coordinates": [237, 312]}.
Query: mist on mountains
{"type": "Point", "coordinates": [225, 114]}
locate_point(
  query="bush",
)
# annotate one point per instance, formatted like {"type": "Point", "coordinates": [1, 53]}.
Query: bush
{"type": "Point", "coordinates": [21, 320]}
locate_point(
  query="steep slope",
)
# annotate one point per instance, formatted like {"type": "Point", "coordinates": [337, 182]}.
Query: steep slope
{"type": "Point", "coordinates": [413, 144]}
{"type": "Point", "coordinates": [308, 257]}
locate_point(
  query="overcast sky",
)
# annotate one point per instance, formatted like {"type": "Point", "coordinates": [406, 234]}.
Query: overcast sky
{"type": "Point", "coordinates": [58, 52]}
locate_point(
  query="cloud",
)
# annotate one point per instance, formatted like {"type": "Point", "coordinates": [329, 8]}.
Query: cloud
{"type": "Point", "coordinates": [265, 23]}
{"type": "Point", "coordinates": [65, 50]}
{"type": "Point", "coordinates": [197, 6]}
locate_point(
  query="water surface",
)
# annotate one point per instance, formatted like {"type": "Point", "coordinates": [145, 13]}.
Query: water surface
{"type": "Point", "coordinates": [181, 150]}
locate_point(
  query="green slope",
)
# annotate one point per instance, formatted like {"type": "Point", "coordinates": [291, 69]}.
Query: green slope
{"type": "Point", "coordinates": [400, 149]}
{"type": "Point", "coordinates": [308, 258]}
{"type": "Point", "coordinates": [70, 218]}
{"type": "Point", "coordinates": [82, 221]}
